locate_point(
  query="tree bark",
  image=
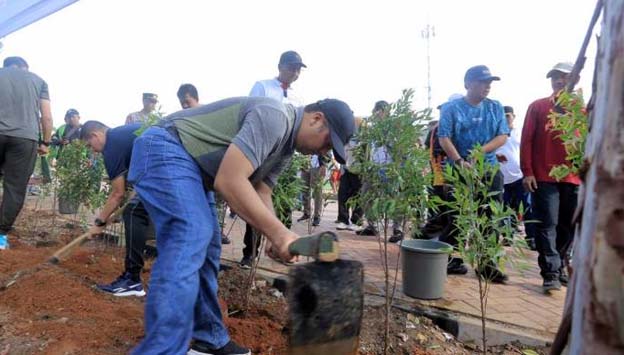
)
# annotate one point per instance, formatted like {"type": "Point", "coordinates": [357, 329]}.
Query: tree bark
{"type": "Point", "coordinates": [597, 295]}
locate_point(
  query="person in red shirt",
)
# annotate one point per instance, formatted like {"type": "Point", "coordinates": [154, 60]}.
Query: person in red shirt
{"type": "Point", "coordinates": [553, 201]}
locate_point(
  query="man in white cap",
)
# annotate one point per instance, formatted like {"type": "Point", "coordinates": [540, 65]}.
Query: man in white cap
{"type": "Point", "coordinates": [553, 201]}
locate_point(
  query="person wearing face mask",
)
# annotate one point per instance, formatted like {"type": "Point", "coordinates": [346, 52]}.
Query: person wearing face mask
{"type": "Point", "coordinates": [553, 201]}
{"type": "Point", "coordinates": [465, 123]}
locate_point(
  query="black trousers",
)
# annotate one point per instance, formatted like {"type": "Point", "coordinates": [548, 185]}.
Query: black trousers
{"type": "Point", "coordinates": [497, 186]}
{"type": "Point", "coordinates": [251, 234]}
{"type": "Point", "coordinates": [138, 229]}
{"type": "Point", "coordinates": [349, 187]}
{"type": "Point", "coordinates": [553, 206]}
{"type": "Point", "coordinates": [17, 162]}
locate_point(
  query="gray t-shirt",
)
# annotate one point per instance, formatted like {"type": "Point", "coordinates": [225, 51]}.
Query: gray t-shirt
{"type": "Point", "coordinates": [20, 95]}
{"type": "Point", "coordinates": [262, 128]}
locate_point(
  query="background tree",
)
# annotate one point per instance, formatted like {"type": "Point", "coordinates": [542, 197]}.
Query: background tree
{"type": "Point", "coordinates": [595, 301]}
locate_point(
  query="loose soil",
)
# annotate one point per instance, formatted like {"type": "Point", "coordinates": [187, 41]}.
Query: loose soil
{"type": "Point", "coordinates": [55, 309]}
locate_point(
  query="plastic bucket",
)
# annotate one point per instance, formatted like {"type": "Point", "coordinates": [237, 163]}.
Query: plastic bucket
{"type": "Point", "coordinates": [67, 207]}
{"type": "Point", "coordinates": [424, 268]}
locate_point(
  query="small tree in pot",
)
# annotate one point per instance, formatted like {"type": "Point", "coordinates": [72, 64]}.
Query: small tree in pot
{"type": "Point", "coordinates": [79, 178]}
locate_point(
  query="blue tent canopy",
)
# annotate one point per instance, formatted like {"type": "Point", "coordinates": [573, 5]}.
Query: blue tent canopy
{"type": "Point", "coordinates": [15, 14]}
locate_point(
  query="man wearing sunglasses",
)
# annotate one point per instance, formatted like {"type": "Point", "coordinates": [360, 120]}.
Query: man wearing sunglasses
{"type": "Point", "coordinates": [149, 106]}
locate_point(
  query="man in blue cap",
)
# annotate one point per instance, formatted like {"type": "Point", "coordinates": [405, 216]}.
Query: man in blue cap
{"type": "Point", "coordinates": [469, 121]}
{"type": "Point", "coordinates": [236, 147]}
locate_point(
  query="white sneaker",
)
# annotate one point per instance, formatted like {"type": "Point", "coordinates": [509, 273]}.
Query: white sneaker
{"type": "Point", "coordinates": [341, 226]}
{"type": "Point", "coordinates": [355, 228]}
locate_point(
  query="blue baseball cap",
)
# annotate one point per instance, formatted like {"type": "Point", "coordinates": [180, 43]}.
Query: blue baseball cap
{"type": "Point", "coordinates": [479, 73]}
{"type": "Point", "coordinates": [291, 58]}
{"type": "Point", "coordinates": [341, 125]}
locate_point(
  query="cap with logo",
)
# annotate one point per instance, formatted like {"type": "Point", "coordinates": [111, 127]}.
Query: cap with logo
{"type": "Point", "coordinates": [563, 67]}
{"type": "Point", "coordinates": [479, 73]}
{"type": "Point", "coordinates": [291, 58]}
{"type": "Point", "coordinates": [341, 125]}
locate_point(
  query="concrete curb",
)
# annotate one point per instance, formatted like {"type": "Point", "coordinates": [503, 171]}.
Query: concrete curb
{"type": "Point", "coordinates": [465, 328]}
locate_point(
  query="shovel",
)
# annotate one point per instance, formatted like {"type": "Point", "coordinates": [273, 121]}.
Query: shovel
{"type": "Point", "coordinates": [325, 299]}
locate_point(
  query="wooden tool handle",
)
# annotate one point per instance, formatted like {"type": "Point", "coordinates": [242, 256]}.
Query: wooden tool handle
{"type": "Point", "coordinates": [64, 251]}
{"type": "Point", "coordinates": [322, 246]}
{"type": "Point", "coordinates": [56, 257]}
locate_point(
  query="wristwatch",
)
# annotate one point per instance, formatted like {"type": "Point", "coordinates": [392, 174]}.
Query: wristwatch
{"type": "Point", "coordinates": [47, 144]}
{"type": "Point", "coordinates": [99, 223]}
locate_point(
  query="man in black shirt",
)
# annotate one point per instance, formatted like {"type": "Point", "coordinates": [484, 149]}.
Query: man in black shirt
{"type": "Point", "coordinates": [115, 144]}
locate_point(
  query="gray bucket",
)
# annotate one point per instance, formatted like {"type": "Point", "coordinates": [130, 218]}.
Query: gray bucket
{"type": "Point", "coordinates": [66, 206]}
{"type": "Point", "coordinates": [424, 268]}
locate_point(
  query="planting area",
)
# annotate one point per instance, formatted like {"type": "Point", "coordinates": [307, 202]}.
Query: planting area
{"type": "Point", "coordinates": [55, 309]}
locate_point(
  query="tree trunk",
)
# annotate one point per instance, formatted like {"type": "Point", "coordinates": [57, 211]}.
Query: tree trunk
{"type": "Point", "coordinates": [597, 298]}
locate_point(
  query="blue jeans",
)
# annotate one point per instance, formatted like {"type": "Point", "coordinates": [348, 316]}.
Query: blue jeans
{"type": "Point", "coordinates": [182, 297]}
{"type": "Point", "coordinates": [553, 206]}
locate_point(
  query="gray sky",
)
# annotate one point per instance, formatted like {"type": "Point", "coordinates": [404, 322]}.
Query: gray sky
{"type": "Point", "coordinates": [99, 56]}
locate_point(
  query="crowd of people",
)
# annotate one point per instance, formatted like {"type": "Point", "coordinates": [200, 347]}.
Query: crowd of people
{"type": "Point", "coordinates": [186, 168]}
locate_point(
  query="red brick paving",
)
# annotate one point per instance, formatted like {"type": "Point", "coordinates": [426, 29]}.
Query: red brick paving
{"type": "Point", "coordinates": [520, 302]}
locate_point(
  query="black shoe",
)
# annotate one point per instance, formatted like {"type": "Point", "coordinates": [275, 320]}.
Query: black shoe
{"type": "Point", "coordinates": [316, 221]}
{"type": "Point", "coordinates": [369, 230]}
{"type": "Point", "coordinates": [563, 277]}
{"type": "Point", "coordinates": [303, 218]}
{"type": "Point", "coordinates": [231, 348]}
{"type": "Point", "coordinates": [456, 267]}
{"type": "Point", "coordinates": [397, 236]}
{"type": "Point", "coordinates": [550, 284]}
{"type": "Point", "coordinates": [150, 252]}
{"type": "Point", "coordinates": [246, 263]}
{"type": "Point", "coordinates": [225, 239]}
{"type": "Point", "coordinates": [493, 274]}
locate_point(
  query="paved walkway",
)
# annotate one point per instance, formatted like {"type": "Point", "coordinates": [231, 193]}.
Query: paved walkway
{"type": "Point", "coordinates": [520, 302]}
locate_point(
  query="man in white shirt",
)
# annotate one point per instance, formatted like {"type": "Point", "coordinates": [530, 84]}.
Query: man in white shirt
{"type": "Point", "coordinates": [280, 89]}
{"type": "Point", "coordinates": [509, 158]}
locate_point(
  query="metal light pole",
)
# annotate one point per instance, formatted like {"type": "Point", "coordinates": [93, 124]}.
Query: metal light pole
{"type": "Point", "coordinates": [428, 33]}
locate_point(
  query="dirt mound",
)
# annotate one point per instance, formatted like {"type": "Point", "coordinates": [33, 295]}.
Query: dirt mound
{"type": "Point", "coordinates": [67, 315]}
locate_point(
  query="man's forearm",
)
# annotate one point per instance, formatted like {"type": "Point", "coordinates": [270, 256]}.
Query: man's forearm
{"type": "Point", "coordinates": [113, 201]}
{"type": "Point", "coordinates": [495, 143]}
{"type": "Point", "coordinates": [449, 148]}
{"type": "Point", "coordinates": [46, 121]}
{"type": "Point", "coordinates": [265, 194]}
{"type": "Point", "coordinates": [248, 203]}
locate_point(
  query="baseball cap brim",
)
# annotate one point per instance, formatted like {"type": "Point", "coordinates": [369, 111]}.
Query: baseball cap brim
{"type": "Point", "coordinates": [338, 147]}
{"type": "Point", "coordinates": [550, 73]}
